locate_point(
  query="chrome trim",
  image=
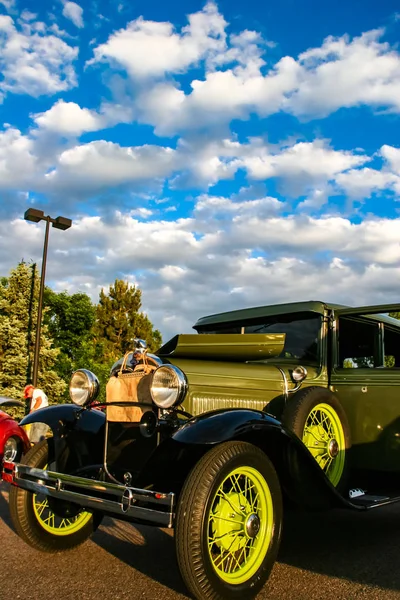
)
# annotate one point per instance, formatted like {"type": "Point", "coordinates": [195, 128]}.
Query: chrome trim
{"type": "Point", "coordinates": [285, 383]}
{"type": "Point", "coordinates": [117, 500]}
{"type": "Point", "coordinates": [182, 385]}
{"type": "Point", "coordinates": [93, 386]}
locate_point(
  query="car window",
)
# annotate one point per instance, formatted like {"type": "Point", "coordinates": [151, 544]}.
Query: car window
{"type": "Point", "coordinates": [358, 341]}
{"type": "Point", "coordinates": [391, 347]}
{"type": "Point", "coordinates": [302, 333]}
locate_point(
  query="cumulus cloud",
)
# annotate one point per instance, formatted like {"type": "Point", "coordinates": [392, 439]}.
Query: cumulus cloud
{"type": "Point", "coordinates": [344, 73]}
{"type": "Point", "coordinates": [255, 260]}
{"type": "Point", "coordinates": [18, 163]}
{"type": "Point", "coordinates": [68, 118]}
{"type": "Point", "coordinates": [152, 49]}
{"type": "Point", "coordinates": [99, 165]}
{"type": "Point", "coordinates": [33, 62]}
{"type": "Point", "coordinates": [74, 13]}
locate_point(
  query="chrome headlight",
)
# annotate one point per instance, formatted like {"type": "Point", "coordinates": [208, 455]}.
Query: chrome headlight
{"type": "Point", "coordinates": [83, 387]}
{"type": "Point", "coordinates": [169, 386]}
{"type": "Point", "coordinates": [11, 449]}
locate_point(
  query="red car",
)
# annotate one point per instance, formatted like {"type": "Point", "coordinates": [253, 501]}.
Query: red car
{"type": "Point", "coordinates": [13, 440]}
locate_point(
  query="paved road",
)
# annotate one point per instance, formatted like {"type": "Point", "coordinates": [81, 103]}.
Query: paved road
{"type": "Point", "coordinates": [336, 556]}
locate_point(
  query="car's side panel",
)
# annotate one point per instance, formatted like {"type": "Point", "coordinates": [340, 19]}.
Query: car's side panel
{"type": "Point", "coordinates": [371, 399]}
{"type": "Point", "coordinates": [260, 386]}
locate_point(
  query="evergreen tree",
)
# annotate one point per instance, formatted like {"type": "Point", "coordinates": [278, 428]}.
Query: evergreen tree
{"type": "Point", "coordinates": [18, 314]}
{"type": "Point", "coordinates": [118, 321]}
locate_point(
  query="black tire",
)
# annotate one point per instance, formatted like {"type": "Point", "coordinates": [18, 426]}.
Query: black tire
{"type": "Point", "coordinates": [28, 525]}
{"type": "Point", "coordinates": [295, 416]}
{"type": "Point", "coordinates": [193, 524]}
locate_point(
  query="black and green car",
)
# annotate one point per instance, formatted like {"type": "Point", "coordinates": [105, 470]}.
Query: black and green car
{"type": "Point", "coordinates": [293, 404]}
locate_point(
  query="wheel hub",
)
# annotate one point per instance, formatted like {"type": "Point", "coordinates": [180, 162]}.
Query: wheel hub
{"type": "Point", "coordinates": [252, 525]}
{"type": "Point", "coordinates": [333, 448]}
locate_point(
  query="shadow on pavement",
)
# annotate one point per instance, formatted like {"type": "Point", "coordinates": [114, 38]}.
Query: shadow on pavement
{"type": "Point", "coordinates": [146, 549]}
{"type": "Point", "coordinates": [361, 547]}
{"type": "Point", "coordinates": [4, 510]}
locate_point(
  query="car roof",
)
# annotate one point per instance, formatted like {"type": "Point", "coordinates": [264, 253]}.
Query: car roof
{"type": "Point", "coordinates": [312, 306]}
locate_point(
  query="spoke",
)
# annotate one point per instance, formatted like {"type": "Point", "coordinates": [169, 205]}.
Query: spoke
{"type": "Point", "coordinates": [40, 507]}
{"type": "Point", "coordinates": [224, 519]}
{"type": "Point", "coordinates": [253, 505]}
{"type": "Point", "coordinates": [238, 510]}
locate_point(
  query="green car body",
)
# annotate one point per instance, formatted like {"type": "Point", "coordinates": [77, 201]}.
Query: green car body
{"type": "Point", "coordinates": [363, 373]}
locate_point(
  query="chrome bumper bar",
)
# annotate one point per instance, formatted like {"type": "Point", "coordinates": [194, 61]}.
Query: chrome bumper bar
{"type": "Point", "coordinates": [114, 499]}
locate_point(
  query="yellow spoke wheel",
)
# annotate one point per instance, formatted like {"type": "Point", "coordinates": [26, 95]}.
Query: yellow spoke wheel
{"type": "Point", "coordinates": [240, 525]}
{"type": "Point", "coordinates": [324, 437]}
{"type": "Point", "coordinates": [229, 522]}
{"type": "Point", "coordinates": [53, 523]}
{"type": "Point", "coordinates": [48, 524]}
{"type": "Point", "coordinates": [316, 416]}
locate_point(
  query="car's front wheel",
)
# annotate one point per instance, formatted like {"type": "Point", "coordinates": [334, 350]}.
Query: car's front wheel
{"type": "Point", "coordinates": [229, 523]}
{"type": "Point", "coordinates": [47, 524]}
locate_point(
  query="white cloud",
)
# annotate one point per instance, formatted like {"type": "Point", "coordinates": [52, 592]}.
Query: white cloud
{"type": "Point", "coordinates": [256, 260]}
{"type": "Point", "coordinates": [32, 62]}
{"type": "Point", "coordinates": [8, 4]}
{"type": "Point", "coordinates": [392, 157]}
{"type": "Point", "coordinates": [345, 73]}
{"type": "Point", "coordinates": [361, 183]}
{"type": "Point", "coordinates": [342, 72]}
{"type": "Point", "coordinates": [152, 49]}
{"type": "Point", "coordinates": [17, 160]}
{"type": "Point", "coordinates": [309, 161]}
{"type": "Point", "coordinates": [74, 13]}
{"type": "Point", "coordinates": [68, 118]}
{"type": "Point", "coordinates": [100, 165]}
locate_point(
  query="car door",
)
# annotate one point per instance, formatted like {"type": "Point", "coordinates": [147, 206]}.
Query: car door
{"type": "Point", "coordinates": [365, 375]}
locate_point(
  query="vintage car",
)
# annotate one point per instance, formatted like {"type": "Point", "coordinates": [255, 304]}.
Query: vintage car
{"type": "Point", "coordinates": [13, 439]}
{"type": "Point", "coordinates": [294, 404]}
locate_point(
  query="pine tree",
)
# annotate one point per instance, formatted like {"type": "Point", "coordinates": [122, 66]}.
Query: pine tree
{"type": "Point", "coordinates": [118, 321]}
{"type": "Point", "coordinates": [18, 314]}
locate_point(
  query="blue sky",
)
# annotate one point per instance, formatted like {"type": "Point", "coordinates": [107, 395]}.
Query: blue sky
{"type": "Point", "coordinates": [218, 155]}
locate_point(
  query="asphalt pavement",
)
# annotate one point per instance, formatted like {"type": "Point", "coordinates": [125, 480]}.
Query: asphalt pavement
{"type": "Point", "coordinates": [337, 555]}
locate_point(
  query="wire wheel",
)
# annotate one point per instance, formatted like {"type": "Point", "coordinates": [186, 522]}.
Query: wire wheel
{"type": "Point", "coordinates": [228, 524]}
{"type": "Point", "coordinates": [324, 437]}
{"type": "Point", "coordinates": [53, 523]}
{"type": "Point", "coordinates": [240, 525]}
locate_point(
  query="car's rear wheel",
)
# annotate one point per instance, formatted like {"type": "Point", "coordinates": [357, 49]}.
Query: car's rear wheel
{"type": "Point", "coordinates": [229, 523]}
{"type": "Point", "coordinates": [45, 523]}
{"type": "Point", "coordinates": [316, 416]}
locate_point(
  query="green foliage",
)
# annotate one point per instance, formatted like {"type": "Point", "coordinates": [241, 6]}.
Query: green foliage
{"type": "Point", "coordinates": [118, 321]}
{"type": "Point", "coordinates": [75, 333]}
{"type": "Point", "coordinates": [18, 315]}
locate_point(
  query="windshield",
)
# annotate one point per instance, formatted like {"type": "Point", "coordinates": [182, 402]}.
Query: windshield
{"type": "Point", "coordinates": [302, 332]}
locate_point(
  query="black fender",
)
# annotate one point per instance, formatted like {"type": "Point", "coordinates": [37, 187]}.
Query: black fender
{"type": "Point", "coordinates": [178, 455]}
{"type": "Point", "coordinates": [78, 436]}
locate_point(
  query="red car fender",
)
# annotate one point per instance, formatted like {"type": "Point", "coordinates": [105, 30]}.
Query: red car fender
{"type": "Point", "coordinates": [10, 428]}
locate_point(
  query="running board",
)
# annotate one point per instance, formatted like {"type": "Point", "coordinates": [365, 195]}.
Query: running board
{"type": "Point", "coordinates": [368, 501]}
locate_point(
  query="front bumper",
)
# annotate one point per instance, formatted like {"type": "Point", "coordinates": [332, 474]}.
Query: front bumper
{"type": "Point", "coordinates": [156, 508]}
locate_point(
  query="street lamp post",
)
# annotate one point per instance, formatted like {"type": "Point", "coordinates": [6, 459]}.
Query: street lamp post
{"type": "Point", "coordinates": [34, 215]}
